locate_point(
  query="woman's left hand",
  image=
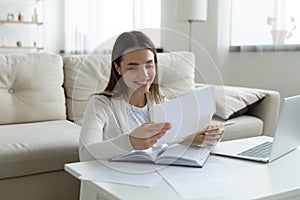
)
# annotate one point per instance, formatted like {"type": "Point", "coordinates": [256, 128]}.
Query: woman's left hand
{"type": "Point", "coordinates": [210, 136]}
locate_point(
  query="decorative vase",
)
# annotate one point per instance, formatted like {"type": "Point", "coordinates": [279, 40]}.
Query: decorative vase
{"type": "Point", "coordinates": [279, 36]}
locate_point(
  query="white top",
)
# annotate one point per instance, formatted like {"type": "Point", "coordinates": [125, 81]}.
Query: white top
{"type": "Point", "coordinates": [136, 115]}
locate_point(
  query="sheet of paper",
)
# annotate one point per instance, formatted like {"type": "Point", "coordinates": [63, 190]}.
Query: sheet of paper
{"type": "Point", "coordinates": [187, 114]}
{"type": "Point", "coordinates": [204, 182]}
{"type": "Point", "coordinates": [137, 174]}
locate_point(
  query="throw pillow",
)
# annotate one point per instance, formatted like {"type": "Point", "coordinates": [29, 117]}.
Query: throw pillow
{"type": "Point", "coordinates": [235, 101]}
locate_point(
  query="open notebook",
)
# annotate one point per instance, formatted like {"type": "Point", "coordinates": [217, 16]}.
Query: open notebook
{"type": "Point", "coordinates": [176, 154]}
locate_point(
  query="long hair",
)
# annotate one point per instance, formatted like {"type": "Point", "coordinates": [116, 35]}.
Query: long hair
{"type": "Point", "coordinates": [126, 42]}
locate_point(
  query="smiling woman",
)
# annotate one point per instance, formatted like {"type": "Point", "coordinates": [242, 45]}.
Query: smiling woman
{"type": "Point", "coordinates": [138, 71]}
{"type": "Point", "coordinates": [117, 120]}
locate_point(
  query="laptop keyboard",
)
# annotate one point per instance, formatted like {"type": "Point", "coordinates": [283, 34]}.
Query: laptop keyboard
{"type": "Point", "coordinates": [260, 151]}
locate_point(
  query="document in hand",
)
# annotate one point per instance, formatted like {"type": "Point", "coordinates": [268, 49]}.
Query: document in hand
{"type": "Point", "coordinates": [176, 154]}
{"type": "Point", "coordinates": [188, 113]}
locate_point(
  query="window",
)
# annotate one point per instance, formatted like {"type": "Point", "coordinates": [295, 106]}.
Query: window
{"type": "Point", "coordinates": [90, 23]}
{"type": "Point", "coordinates": [265, 22]}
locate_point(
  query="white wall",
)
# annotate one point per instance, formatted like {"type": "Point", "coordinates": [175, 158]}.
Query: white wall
{"type": "Point", "coordinates": [204, 46]}
{"type": "Point", "coordinates": [271, 70]}
{"type": "Point", "coordinates": [54, 28]}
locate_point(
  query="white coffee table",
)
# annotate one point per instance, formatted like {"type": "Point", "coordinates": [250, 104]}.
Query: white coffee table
{"type": "Point", "coordinates": [279, 179]}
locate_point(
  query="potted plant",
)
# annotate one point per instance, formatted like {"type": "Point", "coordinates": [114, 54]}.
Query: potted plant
{"type": "Point", "coordinates": [280, 32]}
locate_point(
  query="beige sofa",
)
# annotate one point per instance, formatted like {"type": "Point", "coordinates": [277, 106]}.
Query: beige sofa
{"type": "Point", "coordinates": [43, 96]}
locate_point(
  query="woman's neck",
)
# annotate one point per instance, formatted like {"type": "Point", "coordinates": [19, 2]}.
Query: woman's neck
{"type": "Point", "coordinates": [137, 99]}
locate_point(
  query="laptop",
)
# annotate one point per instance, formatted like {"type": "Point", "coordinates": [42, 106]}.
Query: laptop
{"type": "Point", "coordinates": [263, 148]}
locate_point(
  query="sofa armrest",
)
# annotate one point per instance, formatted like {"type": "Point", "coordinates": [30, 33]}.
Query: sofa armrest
{"type": "Point", "coordinates": [268, 111]}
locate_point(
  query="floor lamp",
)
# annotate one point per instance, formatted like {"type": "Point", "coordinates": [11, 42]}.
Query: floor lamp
{"type": "Point", "coordinates": [191, 11]}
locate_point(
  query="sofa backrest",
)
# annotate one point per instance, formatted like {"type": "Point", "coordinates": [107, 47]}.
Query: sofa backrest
{"type": "Point", "coordinates": [84, 75]}
{"type": "Point", "coordinates": [87, 74]}
{"type": "Point", "coordinates": [31, 88]}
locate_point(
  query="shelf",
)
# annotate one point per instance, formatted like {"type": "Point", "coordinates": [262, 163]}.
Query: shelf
{"type": "Point", "coordinates": [25, 31]}
{"type": "Point", "coordinates": [19, 22]}
{"type": "Point", "coordinates": [25, 47]}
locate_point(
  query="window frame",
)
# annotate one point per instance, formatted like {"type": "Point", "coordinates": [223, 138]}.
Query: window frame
{"type": "Point", "coordinates": [264, 46]}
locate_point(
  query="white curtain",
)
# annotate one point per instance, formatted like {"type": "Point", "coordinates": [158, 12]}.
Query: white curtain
{"type": "Point", "coordinates": [89, 24]}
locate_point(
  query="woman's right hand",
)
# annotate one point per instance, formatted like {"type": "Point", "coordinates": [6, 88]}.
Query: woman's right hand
{"type": "Point", "coordinates": [147, 134]}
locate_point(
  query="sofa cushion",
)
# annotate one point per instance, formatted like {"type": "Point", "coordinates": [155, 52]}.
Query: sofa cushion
{"type": "Point", "coordinates": [31, 88]}
{"type": "Point", "coordinates": [232, 102]}
{"type": "Point", "coordinates": [84, 75]}
{"type": "Point", "coordinates": [176, 73]}
{"type": "Point", "coordinates": [38, 147]}
{"type": "Point", "coordinates": [241, 127]}
{"type": "Point", "coordinates": [87, 74]}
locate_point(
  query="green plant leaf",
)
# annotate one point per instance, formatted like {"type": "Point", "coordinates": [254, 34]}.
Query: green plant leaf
{"type": "Point", "coordinates": [270, 20]}
{"type": "Point", "coordinates": [292, 19]}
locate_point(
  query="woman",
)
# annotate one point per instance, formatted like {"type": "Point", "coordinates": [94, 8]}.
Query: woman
{"type": "Point", "coordinates": [117, 120]}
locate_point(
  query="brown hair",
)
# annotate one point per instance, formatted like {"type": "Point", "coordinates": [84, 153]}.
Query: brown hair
{"type": "Point", "coordinates": [126, 42]}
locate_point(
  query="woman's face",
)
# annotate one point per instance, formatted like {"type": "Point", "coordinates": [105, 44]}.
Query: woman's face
{"type": "Point", "coordinates": [138, 70]}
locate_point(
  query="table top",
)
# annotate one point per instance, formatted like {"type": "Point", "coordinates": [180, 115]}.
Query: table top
{"type": "Point", "coordinates": [275, 180]}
